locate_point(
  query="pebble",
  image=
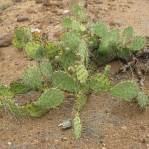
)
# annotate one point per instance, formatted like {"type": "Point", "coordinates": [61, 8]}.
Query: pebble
{"type": "Point", "coordinates": [56, 141]}
{"type": "Point", "coordinates": [143, 140]}
{"type": "Point", "coordinates": [64, 139]}
{"type": "Point", "coordinates": [66, 11]}
{"type": "Point", "coordinates": [99, 2]}
{"type": "Point", "coordinates": [5, 40]}
{"type": "Point", "coordinates": [46, 2]}
{"type": "Point", "coordinates": [22, 18]}
{"type": "Point", "coordinates": [142, 127]}
{"type": "Point", "coordinates": [65, 124]}
{"type": "Point", "coordinates": [38, 1]}
{"type": "Point", "coordinates": [117, 22]}
{"type": "Point", "coordinates": [9, 143]}
{"type": "Point", "coordinates": [17, 1]}
{"type": "Point", "coordinates": [124, 127]}
{"type": "Point", "coordinates": [35, 30]}
{"type": "Point", "coordinates": [29, 10]}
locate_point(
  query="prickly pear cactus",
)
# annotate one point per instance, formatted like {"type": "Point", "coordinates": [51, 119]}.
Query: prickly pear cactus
{"type": "Point", "coordinates": [5, 91]}
{"type": "Point", "coordinates": [32, 78]}
{"type": "Point", "coordinates": [73, 25]}
{"type": "Point", "coordinates": [77, 126]}
{"type": "Point", "coordinates": [99, 29]}
{"type": "Point", "coordinates": [83, 52]}
{"type": "Point", "coordinates": [64, 81]}
{"type": "Point", "coordinates": [116, 44]}
{"type": "Point", "coordinates": [67, 59]}
{"type": "Point", "coordinates": [51, 98]}
{"type": "Point", "coordinates": [46, 69]}
{"type": "Point", "coordinates": [137, 44]}
{"type": "Point", "coordinates": [142, 100]}
{"type": "Point", "coordinates": [70, 40]}
{"type": "Point", "coordinates": [21, 37]}
{"type": "Point", "coordinates": [51, 50]}
{"type": "Point", "coordinates": [100, 82]}
{"type": "Point", "coordinates": [126, 90]}
{"type": "Point", "coordinates": [14, 109]}
{"type": "Point", "coordinates": [82, 73]}
{"type": "Point", "coordinates": [18, 87]}
{"type": "Point", "coordinates": [79, 13]}
{"type": "Point", "coordinates": [127, 35]}
{"type": "Point", "coordinates": [80, 101]}
{"type": "Point", "coordinates": [34, 50]}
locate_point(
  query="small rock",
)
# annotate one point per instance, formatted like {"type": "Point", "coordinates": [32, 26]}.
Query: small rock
{"type": "Point", "coordinates": [9, 143]}
{"type": "Point", "coordinates": [46, 3]}
{"type": "Point", "coordinates": [142, 127]}
{"type": "Point", "coordinates": [31, 11]}
{"type": "Point", "coordinates": [16, 63]}
{"type": "Point", "coordinates": [99, 2]}
{"type": "Point", "coordinates": [22, 18]}
{"type": "Point", "coordinates": [117, 22]}
{"type": "Point", "coordinates": [56, 142]}
{"type": "Point", "coordinates": [6, 40]}
{"type": "Point", "coordinates": [143, 140]}
{"type": "Point", "coordinates": [38, 1]}
{"type": "Point", "coordinates": [66, 11]}
{"type": "Point", "coordinates": [17, 1]}
{"type": "Point", "coordinates": [64, 139]}
{"type": "Point", "coordinates": [124, 127]}
{"type": "Point", "coordinates": [65, 124]}
{"type": "Point", "coordinates": [35, 30]}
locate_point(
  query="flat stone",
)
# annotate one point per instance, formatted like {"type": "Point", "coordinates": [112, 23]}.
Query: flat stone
{"type": "Point", "coordinates": [117, 22]}
{"type": "Point", "coordinates": [17, 1]}
{"type": "Point", "coordinates": [6, 40]}
{"type": "Point", "coordinates": [124, 127]}
{"type": "Point", "coordinates": [38, 1]}
{"type": "Point", "coordinates": [65, 124]}
{"type": "Point", "coordinates": [22, 18]}
{"type": "Point", "coordinates": [46, 2]}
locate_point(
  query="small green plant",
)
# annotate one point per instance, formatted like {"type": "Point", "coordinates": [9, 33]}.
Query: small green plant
{"type": "Point", "coordinates": [66, 66]}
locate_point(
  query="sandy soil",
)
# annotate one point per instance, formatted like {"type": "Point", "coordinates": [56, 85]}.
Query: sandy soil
{"type": "Point", "coordinates": [107, 122]}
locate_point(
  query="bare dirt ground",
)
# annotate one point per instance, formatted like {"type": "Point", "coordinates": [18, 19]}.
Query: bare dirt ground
{"type": "Point", "coordinates": [107, 122]}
